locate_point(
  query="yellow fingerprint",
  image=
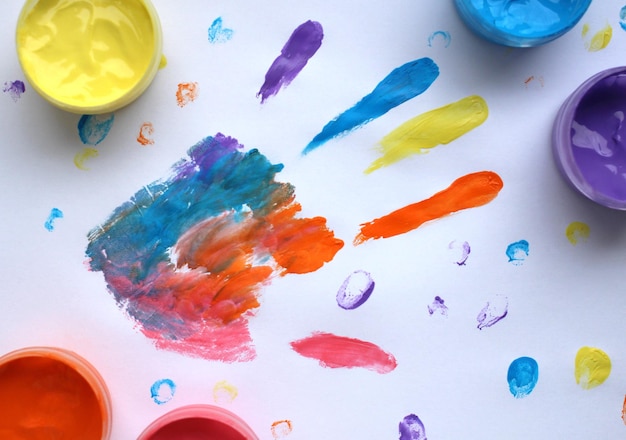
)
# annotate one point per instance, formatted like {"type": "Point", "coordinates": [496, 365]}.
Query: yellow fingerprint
{"type": "Point", "coordinates": [430, 129]}
{"type": "Point", "coordinates": [592, 367]}
{"type": "Point", "coordinates": [576, 231]}
{"type": "Point", "coordinates": [163, 62]}
{"type": "Point", "coordinates": [224, 392]}
{"type": "Point", "coordinates": [600, 39]}
{"type": "Point", "coordinates": [82, 156]}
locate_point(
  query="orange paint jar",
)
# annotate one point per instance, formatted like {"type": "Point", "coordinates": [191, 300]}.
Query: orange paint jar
{"type": "Point", "coordinates": [50, 393]}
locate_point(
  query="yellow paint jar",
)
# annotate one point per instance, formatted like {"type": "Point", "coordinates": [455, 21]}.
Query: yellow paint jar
{"type": "Point", "coordinates": [89, 56]}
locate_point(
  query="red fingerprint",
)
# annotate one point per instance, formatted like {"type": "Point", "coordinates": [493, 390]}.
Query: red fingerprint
{"type": "Point", "coordinates": [334, 351]}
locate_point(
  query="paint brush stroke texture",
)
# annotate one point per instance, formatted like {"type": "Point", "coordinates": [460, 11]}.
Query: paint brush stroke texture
{"type": "Point", "coordinates": [301, 46]}
{"type": "Point", "coordinates": [403, 83]}
{"type": "Point", "coordinates": [469, 191]}
{"type": "Point", "coordinates": [428, 130]}
{"type": "Point", "coordinates": [334, 351]}
{"type": "Point", "coordinates": [187, 256]}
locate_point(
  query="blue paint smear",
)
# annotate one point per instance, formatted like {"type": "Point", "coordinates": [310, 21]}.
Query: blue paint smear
{"type": "Point", "coordinates": [412, 428]}
{"type": "Point", "coordinates": [162, 391]}
{"type": "Point", "coordinates": [403, 83]}
{"type": "Point", "coordinates": [445, 36]}
{"type": "Point", "coordinates": [622, 18]}
{"type": "Point", "coordinates": [522, 376]}
{"type": "Point", "coordinates": [92, 129]}
{"type": "Point", "coordinates": [517, 252]}
{"type": "Point", "coordinates": [218, 33]}
{"type": "Point", "coordinates": [55, 213]}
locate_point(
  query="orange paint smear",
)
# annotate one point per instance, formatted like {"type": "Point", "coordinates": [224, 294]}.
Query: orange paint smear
{"type": "Point", "coordinates": [186, 93]}
{"type": "Point", "coordinates": [145, 134]}
{"type": "Point", "coordinates": [44, 398]}
{"type": "Point", "coordinates": [469, 191]}
{"type": "Point", "coordinates": [281, 428]}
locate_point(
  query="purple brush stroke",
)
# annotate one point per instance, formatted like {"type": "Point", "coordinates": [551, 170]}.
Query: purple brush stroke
{"type": "Point", "coordinates": [14, 89]}
{"type": "Point", "coordinates": [493, 312]}
{"type": "Point", "coordinates": [301, 46]}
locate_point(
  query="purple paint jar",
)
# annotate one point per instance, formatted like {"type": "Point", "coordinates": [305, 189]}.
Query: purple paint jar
{"type": "Point", "coordinates": [589, 138]}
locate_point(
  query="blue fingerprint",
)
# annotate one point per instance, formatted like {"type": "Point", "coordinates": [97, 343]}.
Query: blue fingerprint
{"type": "Point", "coordinates": [445, 36]}
{"type": "Point", "coordinates": [412, 428]}
{"type": "Point", "coordinates": [218, 33]}
{"type": "Point", "coordinates": [522, 376]}
{"type": "Point", "coordinates": [622, 18]}
{"type": "Point", "coordinates": [162, 391]}
{"type": "Point", "coordinates": [55, 213]}
{"type": "Point", "coordinates": [403, 83]}
{"type": "Point", "coordinates": [517, 252]}
{"type": "Point", "coordinates": [92, 129]}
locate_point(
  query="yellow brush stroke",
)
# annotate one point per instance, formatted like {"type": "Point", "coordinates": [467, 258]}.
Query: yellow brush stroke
{"type": "Point", "coordinates": [426, 131]}
{"type": "Point", "coordinates": [592, 367]}
{"type": "Point", "coordinates": [576, 231]}
{"type": "Point", "coordinates": [224, 392]}
{"type": "Point", "coordinates": [82, 156]}
{"type": "Point", "coordinates": [600, 39]}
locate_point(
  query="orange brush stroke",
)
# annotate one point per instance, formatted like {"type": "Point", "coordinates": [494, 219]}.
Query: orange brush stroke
{"type": "Point", "coordinates": [469, 191]}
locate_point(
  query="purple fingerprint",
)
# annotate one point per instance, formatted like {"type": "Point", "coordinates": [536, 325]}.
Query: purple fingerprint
{"type": "Point", "coordinates": [494, 311]}
{"type": "Point", "coordinates": [465, 251]}
{"type": "Point", "coordinates": [355, 290]}
{"type": "Point", "coordinates": [412, 428]}
{"type": "Point", "coordinates": [301, 46]}
{"type": "Point", "coordinates": [438, 306]}
{"type": "Point", "coordinates": [14, 89]}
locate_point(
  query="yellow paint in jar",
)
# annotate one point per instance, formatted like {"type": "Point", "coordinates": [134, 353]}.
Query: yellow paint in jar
{"type": "Point", "coordinates": [89, 56]}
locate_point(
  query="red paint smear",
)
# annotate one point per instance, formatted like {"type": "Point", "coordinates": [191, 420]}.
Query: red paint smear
{"type": "Point", "coordinates": [469, 191]}
{"type": "Point", "coordinates": [341, 352]}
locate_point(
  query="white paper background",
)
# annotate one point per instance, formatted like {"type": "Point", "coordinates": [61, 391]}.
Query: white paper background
{"type": "Point", "coordinates": [450, 374]}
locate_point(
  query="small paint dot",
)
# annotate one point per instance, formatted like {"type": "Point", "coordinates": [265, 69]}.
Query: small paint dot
{"type": "Point", "coordinates": [186, 93]}
{"type": "Point", "coordinates": [517, 252]}
{"type": "Point", "coordinates": [442, 36]}
{"type": "Point", "coordinates": [522, 376]}
{"type": "Point", "coordinates": [145, 134]}
{"type": "Point", "coordinates": [281, 428]}
{"type": "Point", "coordinates": [55, 213]}
{"type": "Point", "coordinates": [14, 89]}
{"type": "Point", "coordinates": [224, 392]}
{"type": "Point", "coordinates": [162, 391]}
{"type": "Point", "coordinates": [577, 231]}
{"type": "Point", "coordinates": [592, 367]}
{"type": "Point", "coordinates": [218, 33]}
{"type": "Point", "coordinates": [163, 62]}
{"type": "Point", "coordinates": [412, 428]}
{"type": "Point", "coordinates": [82, 156]}
{"type": "Point", "coordinates": [599, 40]}
{"type": "Point", "coordinates": [92, 129]}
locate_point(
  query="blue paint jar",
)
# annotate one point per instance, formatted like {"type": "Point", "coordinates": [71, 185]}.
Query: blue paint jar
{"type": "Point", "coordinates": [521, 23]}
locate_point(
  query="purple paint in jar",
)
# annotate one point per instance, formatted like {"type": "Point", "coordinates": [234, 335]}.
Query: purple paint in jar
{"type": "Point", "coordinates": [589, 138]}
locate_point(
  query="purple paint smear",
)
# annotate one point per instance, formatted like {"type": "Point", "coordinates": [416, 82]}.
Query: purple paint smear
{"type": "Point", "coordinates": [14, 89]}
{"type": "Point", "coordinates": [494, 311]}
{"type": "Point", "coordinates": [438, 306]}
{"type": "Point", "coordinates": [301, 46]}
{"type": "Point", "coordinates": [355, 290]}
{"type": "Point", "coordinates": [412, 428]}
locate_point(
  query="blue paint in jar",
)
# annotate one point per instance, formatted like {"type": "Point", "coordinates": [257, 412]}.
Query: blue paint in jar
{"type": "Point", "coordinates": [521, 23]}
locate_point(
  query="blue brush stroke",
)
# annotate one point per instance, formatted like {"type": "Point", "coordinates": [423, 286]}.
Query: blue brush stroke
{"type": "Point", "coordinates": [517, 252]}
{"type": "Point", "coordinates": [160, 397]}
{"type": "Point", "coordinates": [412, 428]}
{"type": "Point", "coordinates": [522, 376]}
{"type": "Point", "coordinates": [217, 32]}
{"type": "Point", "coordinates": [403, 83]}
{"type": "Point", "coordinates": [55, 213]}
{"type": "Point", "coordinates": [92, 129]}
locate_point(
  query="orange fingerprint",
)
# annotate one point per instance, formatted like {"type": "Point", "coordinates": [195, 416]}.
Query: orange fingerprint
{"type": "Point", "coordinates": [281, 428]}
{"type": "Point", "coordinates": [186, 93]}
{"type": "Point", "coordinates": [469, 191]}
{"type": "Point", "coordinates": [145, 134]}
